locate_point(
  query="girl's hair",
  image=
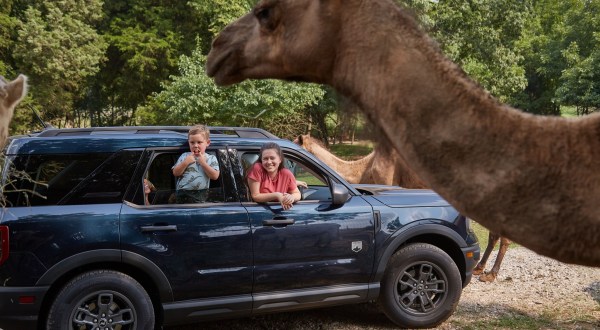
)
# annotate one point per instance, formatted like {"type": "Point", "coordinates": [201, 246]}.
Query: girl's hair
{"type": "Point", "coordinates": [200, 129]}
{"type": "Point", "coordinates": [271, 145]}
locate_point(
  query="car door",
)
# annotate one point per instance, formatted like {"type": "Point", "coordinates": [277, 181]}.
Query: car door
{"type": "Point", "coordinates": [204, 249]}
{"type": "Point", "coordinates": [312, 246]}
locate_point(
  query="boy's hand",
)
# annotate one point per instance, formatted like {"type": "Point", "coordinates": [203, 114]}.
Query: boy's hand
{"type": "Point", "coordinates": [201, 160]}
{"type": "Point", "coordinates": [190, 159]}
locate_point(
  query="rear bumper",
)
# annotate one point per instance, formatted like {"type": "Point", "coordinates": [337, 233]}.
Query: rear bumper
{"type": "Point", "coordinates": [17, 315]}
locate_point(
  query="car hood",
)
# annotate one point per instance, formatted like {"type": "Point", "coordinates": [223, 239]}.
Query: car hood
{"type": "Point", "coordinates": [394, 196]}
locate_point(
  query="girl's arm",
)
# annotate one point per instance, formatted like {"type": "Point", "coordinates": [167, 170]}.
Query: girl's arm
{"type": "Point", "coordinates": [259, 197]}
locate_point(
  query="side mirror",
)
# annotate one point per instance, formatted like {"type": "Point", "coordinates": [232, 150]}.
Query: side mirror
{"type": "Point", "coordinates": [340, 194]}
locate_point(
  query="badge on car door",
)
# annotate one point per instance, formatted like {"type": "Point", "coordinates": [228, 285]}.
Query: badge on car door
{"type": "Point", "coordinates": [357, 246]}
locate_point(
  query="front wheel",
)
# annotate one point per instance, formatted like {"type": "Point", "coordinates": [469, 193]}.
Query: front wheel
{"type": "Point", "coordinates": [102, 299]}
{"type": "Point", "coordinates": [421, 286]}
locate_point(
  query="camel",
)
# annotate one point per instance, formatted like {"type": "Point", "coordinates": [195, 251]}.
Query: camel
{"type": "Point", "coordinates": [11, 93]}
{"type": "Point", "coordinates": [379, 166]}
{"type": "Point", "coordinates": [533, 179]}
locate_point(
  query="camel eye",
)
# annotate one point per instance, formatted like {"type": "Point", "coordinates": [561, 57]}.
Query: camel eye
{"type": "Point", "coordinates": [262, 14]}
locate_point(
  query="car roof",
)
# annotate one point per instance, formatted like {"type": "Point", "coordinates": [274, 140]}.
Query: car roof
{"type": "Point", "coordinates": [111, 139]}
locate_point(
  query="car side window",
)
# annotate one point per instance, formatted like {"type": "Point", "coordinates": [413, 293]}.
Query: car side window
{"type": "Point", "coordinates": [36, 180]}
{"type": "Point", "coordinates": [161, 183]}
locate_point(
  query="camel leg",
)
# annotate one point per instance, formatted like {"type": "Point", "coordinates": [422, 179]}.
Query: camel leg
{"type": "Point", "coordinates": [492, 240]}
{"type": "Point", "coordinates": [491, 276]}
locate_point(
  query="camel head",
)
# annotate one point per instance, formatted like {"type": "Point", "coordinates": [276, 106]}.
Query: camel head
{"type": "Point", "coordinates": [11, 93]}
{"type": "Point", "coordinates": [281, 39]}
{"type": "Point", "coordinates": [309, 143]}
{"type": "Point", "coordinates": [302, 140]}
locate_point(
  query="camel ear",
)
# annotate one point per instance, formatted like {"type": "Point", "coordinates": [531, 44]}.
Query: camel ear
{"type": "Point", "coordinates": [16, 90]}
{"type": "Point", "coordinates": [300, 139]}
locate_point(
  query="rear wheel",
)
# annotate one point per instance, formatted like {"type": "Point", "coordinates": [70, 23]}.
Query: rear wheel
{"type": "Point", "coordinates": [421, 286]}
{"type": "Point", "coordinates": [102, 299]}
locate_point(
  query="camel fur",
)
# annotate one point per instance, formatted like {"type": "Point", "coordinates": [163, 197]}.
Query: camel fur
{"type": "Point", "coordinates": [532, 179]}
{"type": "Point", "coordinates": [11, 93]}
{"type": "Point", "coordinates": [379, 166]}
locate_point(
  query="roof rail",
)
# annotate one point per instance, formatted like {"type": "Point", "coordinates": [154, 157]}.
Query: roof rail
{"type": "Point", "coordinates": [242, 132]}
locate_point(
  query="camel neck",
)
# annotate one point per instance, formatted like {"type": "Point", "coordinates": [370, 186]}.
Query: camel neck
{"type": "Point", "coordinates": [440, 116]}
{"type": "Point", "coordinates": [351, 170]}
{"type": "Point", "coordinates": [478, 154]}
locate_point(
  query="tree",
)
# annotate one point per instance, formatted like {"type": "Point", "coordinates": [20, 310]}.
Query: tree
{"type": "Point", "coordinates": [192, 97]}
{"type": "Point", "coordinates": [59, 49]}
{"type": "Point", "coordinates": [580, 80]}
{"type": "Point", "coordinates": [145, 39]}
{"type": "Point", "coordinates": [7, 25]}
{"type": "Point", "coordinates": [482, 37]}
{"type": "Point", "coordinates": [542, 44]}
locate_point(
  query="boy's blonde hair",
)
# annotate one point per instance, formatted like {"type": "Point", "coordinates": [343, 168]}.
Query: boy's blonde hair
{"type": "Point", "coordinates": [200, 129]}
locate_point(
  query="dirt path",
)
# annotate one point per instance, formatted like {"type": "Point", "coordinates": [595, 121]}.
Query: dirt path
{"type": "Point", "coordinates": [531, 292]}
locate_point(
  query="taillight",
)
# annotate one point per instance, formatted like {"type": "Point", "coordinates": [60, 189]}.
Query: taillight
{"type": "Point", "coordinates": [3, 244]}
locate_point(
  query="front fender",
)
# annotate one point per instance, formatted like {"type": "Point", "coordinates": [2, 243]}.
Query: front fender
{"type": "Point", "coordinates": [399, 238]}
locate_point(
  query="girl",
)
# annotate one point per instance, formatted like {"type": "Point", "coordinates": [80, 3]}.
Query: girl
{"type": "Point", "coordinates": [270, 181]}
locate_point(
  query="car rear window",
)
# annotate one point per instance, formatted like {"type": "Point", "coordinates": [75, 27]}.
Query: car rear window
{"type": "Point", "coordinates": [35, 180]}
{"type": "Point", "coordinates": [67, 179]}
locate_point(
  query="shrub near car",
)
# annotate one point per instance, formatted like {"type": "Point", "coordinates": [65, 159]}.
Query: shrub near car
{"type": "Point", "coordinates": [84, 247]}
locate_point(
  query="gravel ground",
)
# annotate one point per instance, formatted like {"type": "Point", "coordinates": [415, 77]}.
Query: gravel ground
{"type": "Point", "coordinates": [531, 292]}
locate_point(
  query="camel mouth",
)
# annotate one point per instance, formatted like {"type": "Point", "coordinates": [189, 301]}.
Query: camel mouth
{"type": "Point", "coordinates": [214, 63]}
{"type": "Point", "coordinates": [221, 68]}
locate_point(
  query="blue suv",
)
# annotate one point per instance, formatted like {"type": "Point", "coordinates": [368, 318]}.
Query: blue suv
{"type": "Point", "coordinates": [84, 246]}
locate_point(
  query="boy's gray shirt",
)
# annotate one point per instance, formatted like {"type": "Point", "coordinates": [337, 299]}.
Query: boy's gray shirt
{"type": "Point", "coordinates": [194, 178]}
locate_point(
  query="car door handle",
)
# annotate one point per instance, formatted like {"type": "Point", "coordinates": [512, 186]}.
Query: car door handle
{"type": "Point", "coordinates": [159, 228]}
{"type": "Point", "coordinates": [278, 222]}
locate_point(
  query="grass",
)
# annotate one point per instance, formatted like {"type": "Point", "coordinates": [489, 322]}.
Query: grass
{"type": "Point", "coordinates": [483, 234]}
{"type": "Point", "coordinates": [351, 151]}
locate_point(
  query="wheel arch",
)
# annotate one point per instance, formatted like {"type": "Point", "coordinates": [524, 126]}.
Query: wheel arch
{"type": "Point", "coordinates": [138, 267]}
{"type": "Point", "coordinates": [437, 235]}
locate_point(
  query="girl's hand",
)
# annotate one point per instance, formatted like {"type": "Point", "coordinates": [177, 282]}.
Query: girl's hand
{"type": "Point", "coordinates": [287, 201]}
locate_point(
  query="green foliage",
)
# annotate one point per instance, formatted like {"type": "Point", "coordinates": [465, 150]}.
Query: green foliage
{"type": "Point", "coordinates": [580, 80]}
{"type": "Point", "coordinates": [481, 36]}
{"type": "Point", "coordinates": [59, 50]}
{"type": "Point", "coordinates": [7, 25]}
{"type": "Point", "coordinates": [124, 62]}
{"type": "Point", "coordinates": [192, 97]}
{"type": "Point", "coordinates": [145, 38]}
{"type": "Point", "coordinates": [350, 151]}
{"type": "Point", "coordinates": [542, 61]}
{"type": "Point", "coordinates": [221, 12]}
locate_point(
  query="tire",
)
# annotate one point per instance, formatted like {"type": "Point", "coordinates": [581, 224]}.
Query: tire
{"type": "Point", "coordinates": [421, 287]}
{"type": "Point", "coordinates": [102, 299]}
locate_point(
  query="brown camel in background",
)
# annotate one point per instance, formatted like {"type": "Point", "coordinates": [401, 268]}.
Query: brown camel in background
{"type": "Point", "coordinates": [533, 179]}
{"type": "Point", "coordinates": [380, 166]}
{"type": "Point", "coordinates": [11, 93]}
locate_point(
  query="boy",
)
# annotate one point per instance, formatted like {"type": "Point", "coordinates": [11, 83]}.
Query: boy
{"type": "Point", "coordinates": [195, 169]}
